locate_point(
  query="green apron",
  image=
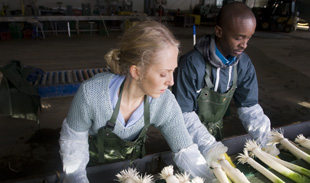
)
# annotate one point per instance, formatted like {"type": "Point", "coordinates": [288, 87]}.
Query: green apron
{"type": "Point", "coordinates": [212, 105]}
{"type": "Point", "coordinates": [107, 147]}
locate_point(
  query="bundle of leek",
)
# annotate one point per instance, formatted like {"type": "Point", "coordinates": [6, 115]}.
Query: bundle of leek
{"type": "Point", "coordinates": [233, 173]}
{"type": "Point", "coordinates": [279, 138]}
{"type": "Point", "coordinates": [303, 141]}
{"type": "Point", "coordinates": [245, 158]}
{"type": "Point", "coordinates": [256, 150]}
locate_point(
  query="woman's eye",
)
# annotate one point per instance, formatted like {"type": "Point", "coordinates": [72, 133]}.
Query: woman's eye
{"type": "Point", "coordinates": [163, 75]}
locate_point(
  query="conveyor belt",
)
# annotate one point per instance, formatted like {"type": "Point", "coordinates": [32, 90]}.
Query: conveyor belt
{"type": "Point", "coordinates": [63, 83]}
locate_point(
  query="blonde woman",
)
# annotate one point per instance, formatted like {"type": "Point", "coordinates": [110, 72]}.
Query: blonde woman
{"type": "Point", "coordinates": [111, 112]}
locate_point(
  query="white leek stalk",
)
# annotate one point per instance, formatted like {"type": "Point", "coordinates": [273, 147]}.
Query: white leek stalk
{"type": "Point", "coordinates": [128, 176]}
{"type": "Point", "coordinates": [167, 174]}
{"type": "Point", "coordinates": [245, 158]}
{"type": "Point", "coordinates": [291, 166]}
{"type": "Point", "coordinates": [256, 150]}
{"type": "Point", "coordinates": [183, 178]}
{"type": "Point", "coordinates": [219, 173]}
{"type": "Point", "coordinates": [279, 138]}
{"type": "Point", "coordinates": [303, 141]}
{"type": "Point", "coordinates": [233, 173]}
{"type": "Point", "coordinates": [197, 180]}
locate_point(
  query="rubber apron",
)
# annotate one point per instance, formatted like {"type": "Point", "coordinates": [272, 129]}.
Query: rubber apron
{"type": "Point", "coordinates": [107, 147]}
{"type": "Point", "coordinates": [212, 105]}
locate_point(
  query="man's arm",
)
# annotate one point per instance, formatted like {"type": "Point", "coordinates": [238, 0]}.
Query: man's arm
{"type": "Point", "coordinates": [188, 79]}
{"type": "Point", "coordinates": [252, 116]}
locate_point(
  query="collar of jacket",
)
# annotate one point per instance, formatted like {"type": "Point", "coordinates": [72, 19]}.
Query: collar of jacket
{"type": "Point", "coordinates": [206, 47]}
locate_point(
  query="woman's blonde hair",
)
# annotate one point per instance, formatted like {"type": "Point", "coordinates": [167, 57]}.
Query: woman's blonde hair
{"type": "Point", "coordinates": [139, 45]}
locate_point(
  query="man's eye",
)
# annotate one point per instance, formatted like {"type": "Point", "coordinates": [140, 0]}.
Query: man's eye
{"type": "Point", "coordinates": [163, 75]}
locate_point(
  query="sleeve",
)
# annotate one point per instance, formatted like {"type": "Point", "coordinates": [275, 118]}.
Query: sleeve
{"type": "Point", "coordinates": [74, 154]}
{"type": "Point", "coordinates": [79, 115]}
{"type": "Point", "coordinates": [246, 93]}
{"type": "Point", "coordinates": [185, 85]}
{"type": "Point", "coordinates": [255, 122]}
{"type": "Point", "coordinates": [172, 127]}
{"type": "Point", "coordinates": [208, 146]}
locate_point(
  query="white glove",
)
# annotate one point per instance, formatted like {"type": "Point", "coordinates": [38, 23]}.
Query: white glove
{"type": "Point", "coordinates": [200, 134]}
{"type": "Point", "coordinates": [191, 161]}
{"type": "Point", "coordinates": [79, 177]}
{"type": "Point", "coordinates": [256, 123]}
{"type": "Point", "coordinates": [74, 154]}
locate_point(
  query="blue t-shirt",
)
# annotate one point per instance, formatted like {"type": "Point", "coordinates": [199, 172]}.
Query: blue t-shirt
{"type": "Point", "coordinates": [227, 61]}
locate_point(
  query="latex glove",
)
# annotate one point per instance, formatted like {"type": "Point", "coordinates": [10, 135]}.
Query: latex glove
{"type": "Point", "coordinates": [199, 133]}
{"type": "Point", "coordinates": [190, 160]}
{"type": "Point", "coordinates": [271, 149]}
{"type": "Point", "coordinates": [77, 177]}
{"type": "Point", "coordinates": [74, 154]}
{"type": "Point", "coordinates": [215, 152]}
{"type": "Point", "coordinates": [256, 123]}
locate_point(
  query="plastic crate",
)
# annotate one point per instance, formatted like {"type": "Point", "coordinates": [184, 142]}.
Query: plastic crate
{"type": "Point", "coordinates": [5, 36]}
{"type": "Point", "coordinates": [27, 34]}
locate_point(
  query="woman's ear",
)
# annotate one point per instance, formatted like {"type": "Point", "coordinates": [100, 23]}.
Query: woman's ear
{"type": "Point", "coordinates": [218, 31]}
{"type": "Point", "coordinates": [134, 72]}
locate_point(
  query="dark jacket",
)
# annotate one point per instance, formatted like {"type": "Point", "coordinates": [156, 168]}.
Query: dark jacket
{"type": "Point", "coordinates": [190, 76]}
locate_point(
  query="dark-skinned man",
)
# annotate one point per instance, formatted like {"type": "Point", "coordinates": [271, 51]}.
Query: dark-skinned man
{"type": "Point", "coordinates": [213, 73]}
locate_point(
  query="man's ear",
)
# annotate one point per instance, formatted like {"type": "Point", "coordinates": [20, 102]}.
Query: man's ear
{"type": "Point", "coordinates": [218, 31]}
{"type": "Point", "coordinates": [134, 72]}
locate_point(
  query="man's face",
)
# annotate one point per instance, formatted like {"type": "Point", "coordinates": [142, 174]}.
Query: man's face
{"type": "Point", "coordinates": [232, 38]}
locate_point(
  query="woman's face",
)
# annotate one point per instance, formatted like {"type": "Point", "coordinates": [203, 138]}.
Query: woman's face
{"type": "Point", "coordinates": [159, 75]}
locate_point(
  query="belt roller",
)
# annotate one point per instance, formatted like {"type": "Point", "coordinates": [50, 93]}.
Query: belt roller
{"type": "Point", "coordinates": [63, 83]}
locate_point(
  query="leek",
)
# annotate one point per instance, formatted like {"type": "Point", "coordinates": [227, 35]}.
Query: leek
{"type": "Point", "coordinates": [303, 141]}
{"type": "Point", "coordinates": [291, 166]}
{"type": "Point", "coordinates": [256, 150]}
{"type": "Point", "coordinates": [233, 173]}
{"type": "Point", "coordinates": [245, 158]}
{"type": "Point", "coordinates": [219, 173]}
{"type": "Point", "coordinates": [279, 138]}
{"type": "Point", "coordinates": [167, 174]}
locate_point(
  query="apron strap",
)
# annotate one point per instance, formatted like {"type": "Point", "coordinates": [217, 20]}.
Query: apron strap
{"type": "Point", "coordinates": [111, 123]}
{"type": "Point", "coordinates": [235, 75]}
{"type": "Point", "coordinates": [146, 111]}
{"type": "Point", "coordinates": [208, 76]}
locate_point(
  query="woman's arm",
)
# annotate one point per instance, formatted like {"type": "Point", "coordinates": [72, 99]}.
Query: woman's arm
{"type": "Point", "coordinates": [74, 154]}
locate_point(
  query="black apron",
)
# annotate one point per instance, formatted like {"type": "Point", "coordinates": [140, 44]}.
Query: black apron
{"type": "Point", "coordinates": [212, 105]}
{"type": "Point", "coordinates": [107, 147]}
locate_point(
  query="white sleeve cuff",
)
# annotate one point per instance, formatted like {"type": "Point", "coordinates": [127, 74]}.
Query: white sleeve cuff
{"type": "Point", "coordinates": [255, 122]}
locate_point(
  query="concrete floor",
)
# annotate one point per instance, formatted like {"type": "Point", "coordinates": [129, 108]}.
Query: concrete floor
{"type": "Point", "coordinates": [27, 150]}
